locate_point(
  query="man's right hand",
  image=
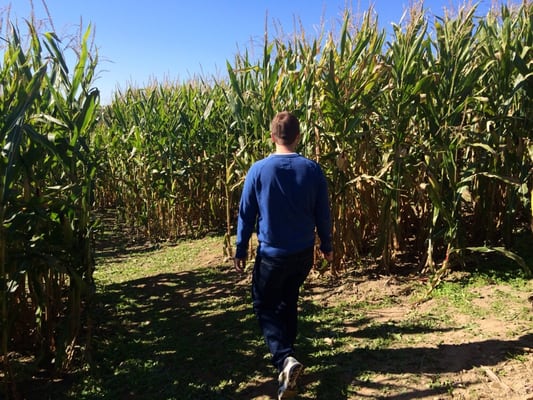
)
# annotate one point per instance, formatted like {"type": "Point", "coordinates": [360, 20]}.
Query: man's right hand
{"type": "Point", "coordinates": [239, 264]}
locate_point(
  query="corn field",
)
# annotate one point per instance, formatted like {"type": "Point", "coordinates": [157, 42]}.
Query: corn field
{"type": "Point", "coordinates": [424, 134]}
{"type": "Point", "coordinates": [425, 138]}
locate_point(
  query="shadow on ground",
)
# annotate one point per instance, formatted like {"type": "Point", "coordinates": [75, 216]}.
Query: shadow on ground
{"type": "Point", "coordinates": [188, 335]}
{"type": "Point", "coordinates": [350, 369]}
{"type": "Point", "coordinates": [192, 335]}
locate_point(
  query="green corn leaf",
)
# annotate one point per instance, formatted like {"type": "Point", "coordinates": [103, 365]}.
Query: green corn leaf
{"type": "Point", "coordinates": [507, 253]}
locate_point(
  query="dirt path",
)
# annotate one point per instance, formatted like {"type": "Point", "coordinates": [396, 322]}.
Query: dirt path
{"type": "Point", "coordinates": [480, 350]}
{"type": "Point", "coordinates": [364, 337]}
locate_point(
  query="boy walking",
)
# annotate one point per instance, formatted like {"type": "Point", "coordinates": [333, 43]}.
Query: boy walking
{"type": "Point", "coordinates": [285, 195]}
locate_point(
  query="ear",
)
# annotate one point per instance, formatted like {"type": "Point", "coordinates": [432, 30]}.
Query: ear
{"type": "Point", "coordinates": [272, 138]}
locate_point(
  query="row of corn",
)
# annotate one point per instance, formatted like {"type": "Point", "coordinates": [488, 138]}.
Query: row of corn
{"type": "Point", "coordinates": [424, 134]}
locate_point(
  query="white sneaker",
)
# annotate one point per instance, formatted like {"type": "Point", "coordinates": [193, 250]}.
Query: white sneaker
{"type": "Point", "coordinates": [288, 377]}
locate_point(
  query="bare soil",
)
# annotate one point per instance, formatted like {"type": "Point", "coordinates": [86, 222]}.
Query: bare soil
{"type": "Point", "coordinates": [485, 353]}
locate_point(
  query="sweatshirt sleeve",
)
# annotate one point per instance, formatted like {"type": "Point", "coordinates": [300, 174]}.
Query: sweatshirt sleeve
{"type": "Point", "coordinates": [248, 210]}
{"type": "Point", "coordinates": [323, 215]}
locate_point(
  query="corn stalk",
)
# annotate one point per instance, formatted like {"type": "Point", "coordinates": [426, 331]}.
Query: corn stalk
{"type": "Point", "coordinates": [46, 196]}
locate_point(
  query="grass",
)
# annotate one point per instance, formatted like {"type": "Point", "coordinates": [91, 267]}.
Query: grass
{"type": "Point", "coordinates": [175, 322]}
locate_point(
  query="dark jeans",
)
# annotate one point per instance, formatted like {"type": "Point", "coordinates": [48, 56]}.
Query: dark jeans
{"type": "Point", "coordinates": [276, 285]}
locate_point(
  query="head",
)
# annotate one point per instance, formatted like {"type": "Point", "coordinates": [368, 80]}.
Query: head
{"type": "Point", "coordinates": [285, 128]}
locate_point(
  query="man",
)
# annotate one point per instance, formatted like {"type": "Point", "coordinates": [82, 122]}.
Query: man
{"type": "Point", "coordinates": [286, 195]}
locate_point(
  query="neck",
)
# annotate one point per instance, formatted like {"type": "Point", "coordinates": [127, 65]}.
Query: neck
{"type": "Point", "coordinates": [283, 149]}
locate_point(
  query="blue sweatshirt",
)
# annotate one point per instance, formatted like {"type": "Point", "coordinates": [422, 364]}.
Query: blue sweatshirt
{"type": "Point", "coordinates": [286, 195]}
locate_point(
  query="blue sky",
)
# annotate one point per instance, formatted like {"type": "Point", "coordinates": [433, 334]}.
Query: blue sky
{"type": "Point", "coordinates": [170, 40]}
